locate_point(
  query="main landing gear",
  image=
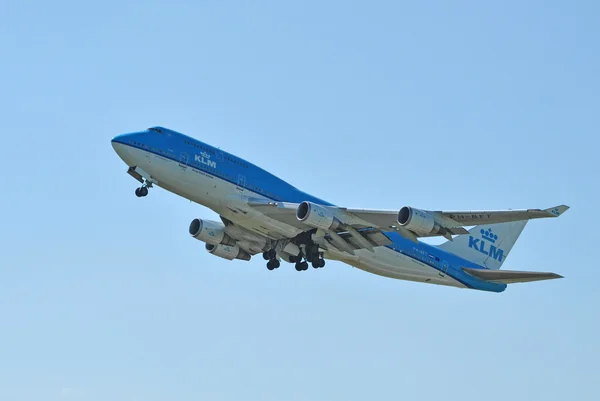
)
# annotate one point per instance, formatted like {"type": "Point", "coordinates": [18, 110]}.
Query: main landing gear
{"type": "Point", "coordinates": [300, 265]}
{"type": "Point", "coordinates": [319, 263]}
{"type": "Point", "coordinates": [303, 265]}
{"type": "Point", "coordinates": [301, 261]}
{"type": "Point", "coordinates": [309, 254]}
{"type": "Point", "coordinates": [314, 256]}
{"type": "Point", "coordinates": [273, 262]}
{"type": "Point", "coordinates": [271, 256]}
{"type": "Point", "coordinates": [316, 264]}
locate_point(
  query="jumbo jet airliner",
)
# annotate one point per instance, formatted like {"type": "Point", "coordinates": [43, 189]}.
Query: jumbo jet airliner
{"type": "Point", "coordinates": [262, 214]}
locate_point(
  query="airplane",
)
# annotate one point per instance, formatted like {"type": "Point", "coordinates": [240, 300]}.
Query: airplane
{"type": "Point", "coordinates": [263, 214]}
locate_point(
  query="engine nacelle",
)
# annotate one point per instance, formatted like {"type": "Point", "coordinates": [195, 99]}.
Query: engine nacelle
{"type": "Point", "coordinates": [418, 221]}
{"type": "Point", "coordinates": [317, 216]}
{"type": "Point", "coordinates": [227, 252]}
{"type": "Point", "coordinates": [211, 232]}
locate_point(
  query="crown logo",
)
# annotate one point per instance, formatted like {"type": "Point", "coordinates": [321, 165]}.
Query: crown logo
{"type": "Point", "coordinates": [205, 155]}
{"type": "Point", "coordinates": [555, 211]}
{"type": "Point", "coordinates": [489, 235]}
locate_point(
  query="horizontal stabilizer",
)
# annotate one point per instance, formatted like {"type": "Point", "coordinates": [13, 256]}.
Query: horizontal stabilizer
{"type": "Point", "coordinates": [557, 210]}
{"type": "Point", "coordinates": [510, 276]}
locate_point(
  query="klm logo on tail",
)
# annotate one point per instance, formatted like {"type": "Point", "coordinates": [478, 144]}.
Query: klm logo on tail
{"type": "Point", "coordinates": [485, 244]}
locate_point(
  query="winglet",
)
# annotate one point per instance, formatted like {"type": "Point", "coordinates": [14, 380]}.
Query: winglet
{"type": "Point", "coordinates": [556, 210]}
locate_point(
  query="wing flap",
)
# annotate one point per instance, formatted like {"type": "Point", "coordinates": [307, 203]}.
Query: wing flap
{"type": "Point", "coordinates": [374, 235]}
{"type": "Point", "coordinates": [510, 276]}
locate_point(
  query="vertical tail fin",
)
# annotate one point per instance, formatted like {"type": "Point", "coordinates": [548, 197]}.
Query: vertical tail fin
{"type": "Point", "coordinates": [487, 245]}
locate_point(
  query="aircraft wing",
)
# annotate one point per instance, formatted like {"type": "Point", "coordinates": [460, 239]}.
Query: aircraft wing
{"type": "Point", "coordinates": [425, 223]}
{"type": "Point", "coordinates": [284, 212]}
{"type": "Point", "coordinates": [510, 276]}
{"type": "Point", "coordinates": [473, 218]}
{"type": "Point", "coordinates": [409, 222]}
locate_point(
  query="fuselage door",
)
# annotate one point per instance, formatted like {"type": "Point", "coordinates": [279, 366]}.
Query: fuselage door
{"type": "Point", "coordinates": [241, 183]}
{"type": "Point", "coordinates": [444, 268]}
{"type": "Point", "coordinates": [183, 160]}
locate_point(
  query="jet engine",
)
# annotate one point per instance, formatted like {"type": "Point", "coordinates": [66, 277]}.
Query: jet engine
{"type": "Point", "coordinates": [211, 232]}
{"type": "Point", "coordinates": [317, 216]}
{"type": "Point", "coordinates": [227, 252]}
{"type": "Point", "coordinates": [418, 221]}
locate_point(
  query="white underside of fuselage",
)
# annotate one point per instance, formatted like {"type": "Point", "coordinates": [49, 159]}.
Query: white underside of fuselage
{"type": "Point", "coordinates": [229, 201]}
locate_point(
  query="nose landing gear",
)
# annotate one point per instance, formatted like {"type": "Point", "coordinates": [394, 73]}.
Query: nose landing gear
{"type": "Point", "coordinates": [144, 178]}
{"type": "Point", "coordinates": [141, 191]}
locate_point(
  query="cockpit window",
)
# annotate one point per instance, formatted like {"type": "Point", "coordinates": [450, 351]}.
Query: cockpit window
{"type": "Point", "coordinates": [155, 129]}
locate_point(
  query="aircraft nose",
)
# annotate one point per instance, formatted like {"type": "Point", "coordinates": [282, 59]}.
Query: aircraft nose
{"type": "Point", "coordinates": [122, 138]}
{"type": "Point", "coordinates": [121, 144]}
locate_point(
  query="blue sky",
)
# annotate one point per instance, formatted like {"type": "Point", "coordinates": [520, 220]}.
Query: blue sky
{"type": "Point", "coordinates": [380, 104]}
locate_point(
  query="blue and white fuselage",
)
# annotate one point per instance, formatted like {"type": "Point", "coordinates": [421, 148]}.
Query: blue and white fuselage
{"type": "Point", "coordinates": [229, 185]}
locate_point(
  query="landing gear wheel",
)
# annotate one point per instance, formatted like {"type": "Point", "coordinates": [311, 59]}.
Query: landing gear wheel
{"type": "Point", "coordinates": [318, 263]}
{"type": "Point", "coordinates": [141, 192]}
{"type": "Point", "coordinates": [304, 265]}
{"type": "Point", "coordinates": [312, 253]}
{"type": "Point", "coordinates": [299, 266]}
{"type": "Point", "coordinates": [270, 254]}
